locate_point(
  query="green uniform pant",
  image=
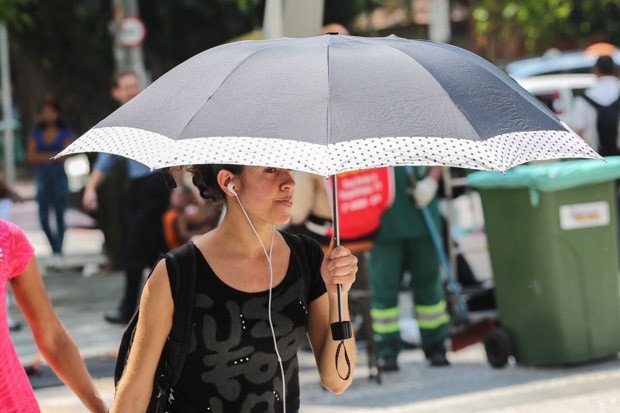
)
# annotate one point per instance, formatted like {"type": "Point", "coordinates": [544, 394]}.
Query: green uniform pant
{"type": "Point", "coordinates": [387, 261]}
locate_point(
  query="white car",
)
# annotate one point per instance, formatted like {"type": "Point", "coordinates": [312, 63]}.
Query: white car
{"type": "Point", "coordinates": [557, 92]}
{"type": "Point", "coordinates": [554, 62]}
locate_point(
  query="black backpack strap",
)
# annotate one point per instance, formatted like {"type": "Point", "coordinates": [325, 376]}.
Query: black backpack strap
{"type": "Point", "coordinates": [184, 261]}
{"type": "Point", "coordinates": [592, 103]}
{"type": "Point", "coordinates": [598, 106]}
{"type": "Point", "coordinates": [127, 341]}
{"type": "Point", "coordinates": [183, 289]}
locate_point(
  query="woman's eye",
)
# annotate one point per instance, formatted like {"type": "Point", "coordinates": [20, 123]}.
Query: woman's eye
{"type": "Point", "coordinates": [271, 170]}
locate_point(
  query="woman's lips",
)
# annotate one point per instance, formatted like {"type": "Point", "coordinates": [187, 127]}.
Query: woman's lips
{"type": "Point", "coordinates": [288, 202]}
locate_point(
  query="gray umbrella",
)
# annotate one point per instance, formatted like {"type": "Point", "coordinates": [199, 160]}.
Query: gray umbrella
{"type": "Point", "coordinates": [331, 103]}
{"type": "Point", "coordinates": [334, 103]}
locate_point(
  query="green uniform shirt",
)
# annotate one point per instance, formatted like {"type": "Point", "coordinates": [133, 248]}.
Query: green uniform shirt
{"type": "Point", "coordinates": [404, 219]}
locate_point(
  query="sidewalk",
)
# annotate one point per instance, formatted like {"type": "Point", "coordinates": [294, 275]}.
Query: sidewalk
{"type": "Point", "coordinates": [469, 385]}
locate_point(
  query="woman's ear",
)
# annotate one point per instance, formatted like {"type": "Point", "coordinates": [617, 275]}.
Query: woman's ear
{"type": "Point", "coordinates": [224, 178]}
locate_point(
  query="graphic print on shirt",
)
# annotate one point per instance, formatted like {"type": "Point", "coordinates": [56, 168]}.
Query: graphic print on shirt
{"type": "Point", "coordinates": [240, 361]}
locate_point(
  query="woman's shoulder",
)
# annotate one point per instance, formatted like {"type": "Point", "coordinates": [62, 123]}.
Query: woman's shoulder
{"type": "Point", "coordinates": [8, 226]}
{"type": "Point", "coordinates": [36, 132]}
{"type": "Point", "coordinates": [301, 240]}
{"type": "Point", "coordinates": [304, 245]}
{"type": "Point", "coordinates": [15, 248]}
{"type": "Point", "coordinates": [66, 131]}
{"type": "Point", "coordinates": [159, 280]}
{"type": "Point", "coordinates": [11, 232]}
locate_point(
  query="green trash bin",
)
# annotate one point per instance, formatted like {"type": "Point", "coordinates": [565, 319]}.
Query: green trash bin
{"type": "Point", "coordinates": [552, 238]}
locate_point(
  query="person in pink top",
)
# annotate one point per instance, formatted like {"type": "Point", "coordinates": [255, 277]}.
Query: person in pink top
{"type": "Point", "coordinates": [19, 266]}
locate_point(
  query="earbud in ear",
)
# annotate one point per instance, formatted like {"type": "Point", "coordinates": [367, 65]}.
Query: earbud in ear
{"type": "Point", "coordinates": [231, 187]}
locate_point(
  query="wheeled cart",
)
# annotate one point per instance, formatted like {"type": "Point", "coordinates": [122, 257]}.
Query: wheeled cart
{"type": "Point", "coordinates": [552, 237]}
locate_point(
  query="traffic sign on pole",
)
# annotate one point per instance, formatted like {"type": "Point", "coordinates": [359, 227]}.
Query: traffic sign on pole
{"type": "Point", "coordinates": [131, 32]}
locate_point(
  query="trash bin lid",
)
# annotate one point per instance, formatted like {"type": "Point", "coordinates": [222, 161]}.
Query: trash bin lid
{"type": "Point", "coordinates": [549, 177]}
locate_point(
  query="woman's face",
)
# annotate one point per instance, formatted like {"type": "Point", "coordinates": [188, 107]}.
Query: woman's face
{"type": "Point", "coordinates": [266, 193]}
{"type": "Point", "coordinates": [49, 115]}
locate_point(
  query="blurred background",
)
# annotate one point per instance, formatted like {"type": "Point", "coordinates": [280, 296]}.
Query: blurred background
{"type": "Point", "coordinates": [70, 49]}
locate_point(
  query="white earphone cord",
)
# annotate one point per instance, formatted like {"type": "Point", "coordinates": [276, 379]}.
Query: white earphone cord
{"type": "Point", "coordinates": [273, 333]}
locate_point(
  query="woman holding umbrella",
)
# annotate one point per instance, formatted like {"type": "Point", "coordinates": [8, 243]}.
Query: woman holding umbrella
{"type": "Point", "coordinates": [254, 307]}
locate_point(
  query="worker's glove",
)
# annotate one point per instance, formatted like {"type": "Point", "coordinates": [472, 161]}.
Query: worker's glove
{"type": "Point", "coordinates": [424, 191]}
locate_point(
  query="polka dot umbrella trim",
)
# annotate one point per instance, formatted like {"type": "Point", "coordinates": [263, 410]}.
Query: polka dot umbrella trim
{"type": "Point", "coordinates": [495, 154]}
{"type": "Point", "coordinates": [333, 103]}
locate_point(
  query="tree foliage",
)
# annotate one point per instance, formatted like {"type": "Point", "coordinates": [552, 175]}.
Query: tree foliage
{"type": "Point", "coordinates": [13, 13]}
{"type": "Point", "coordinates": [180, 29]}
{"type": "Point", "coordinates": [64, 47]}
{"type": "Point", "coordinates": [538, 23]}
{"type": "Point", "coordinates": [595, 18]}
{"type": "Point", "coordinates": [63, 50]}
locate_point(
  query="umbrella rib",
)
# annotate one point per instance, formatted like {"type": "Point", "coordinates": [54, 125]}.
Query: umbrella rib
{"type": "Point", "coordinates": [329, 100]}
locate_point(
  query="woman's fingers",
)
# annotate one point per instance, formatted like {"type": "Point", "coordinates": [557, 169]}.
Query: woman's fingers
{"type": "Point", "coordinates": [342, 266]}
{"type": "Point", "coordinates": [342, 258]}
{"type": "Point", "coordinates": [339, 267]}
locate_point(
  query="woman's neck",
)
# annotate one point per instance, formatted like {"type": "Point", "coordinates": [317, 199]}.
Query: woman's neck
{"type": "Point", "coordinates": [236, 233]}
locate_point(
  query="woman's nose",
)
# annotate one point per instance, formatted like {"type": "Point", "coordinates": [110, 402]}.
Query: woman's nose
{"type": "Point", "coordinates": [289, 181]}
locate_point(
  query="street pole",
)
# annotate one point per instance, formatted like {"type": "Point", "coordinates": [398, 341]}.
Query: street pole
{"type": "Point", "coordinates": [273, 26]}
{"type": "Point", "coordinates": [7, 107]}
{"type": "Point", "coordinates": [292, 18]}
{"type": "Point", "coordinates": [439, 21]}
{"type": "Point", "coordinates": [127, 58]}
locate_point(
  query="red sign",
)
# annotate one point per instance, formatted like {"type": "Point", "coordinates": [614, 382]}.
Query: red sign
{"type": "Point", "coordinates": [363, 197]}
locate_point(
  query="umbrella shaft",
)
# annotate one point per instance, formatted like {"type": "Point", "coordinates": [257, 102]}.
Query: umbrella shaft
{"type": "Point", "coordinates": [335, 218]}
{"type": "Point", "coordinates": [336, 227]}
{"type": "Point", "coordinates": [341, 330]}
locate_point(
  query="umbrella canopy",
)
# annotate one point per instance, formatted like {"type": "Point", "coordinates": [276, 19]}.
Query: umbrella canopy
{"type": "Point", "coordinates": [332, 103]}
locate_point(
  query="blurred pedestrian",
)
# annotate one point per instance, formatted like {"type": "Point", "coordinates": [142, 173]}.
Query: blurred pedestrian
{"type": "Point", "coordinates": [249, 273]}
{"type": "Point", "coordinates": [404, 243]}
{"type": "Point", "coordinates": [590, 119]}
{"type": "Point", "coordinates": [19, 267]}
{"type": "Point", "coordinates": [334, 28]}
{"type": "Point", "coordinates": [149, 198]}
{"type": "Point", "coordinates": [113, 193]}
{"type": "Point", "coordinates": [188, 217]}
{"type": "Point", "coordinates": [311, 214]}
{"type": "Point", "coordinates": [49, 137]}
{"type": "Point", "coordinates": [596, 115]}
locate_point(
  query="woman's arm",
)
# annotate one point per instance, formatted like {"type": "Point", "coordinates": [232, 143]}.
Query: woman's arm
{"type": "Point", "coordinates": [52, 338]}
{"type": "Point", "coordinates": [36, 157]}
{"type": "Point", "coordinates": [156, 309]}
{"type": "Point", "coordinates": [339, 267]}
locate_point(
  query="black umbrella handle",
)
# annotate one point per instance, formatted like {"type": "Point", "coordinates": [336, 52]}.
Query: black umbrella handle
{"type": "Point", "coordinates": [341, 330]}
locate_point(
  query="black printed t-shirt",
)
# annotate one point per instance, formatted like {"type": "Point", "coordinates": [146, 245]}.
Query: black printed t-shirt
{"type": "Point", "coordinates": [231, 365]}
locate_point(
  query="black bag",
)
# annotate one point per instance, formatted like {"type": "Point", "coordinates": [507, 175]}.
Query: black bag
{"type": "Point", "coordinates": [183, 260]}
{"type": "Point", "coordinates": [607, 118]}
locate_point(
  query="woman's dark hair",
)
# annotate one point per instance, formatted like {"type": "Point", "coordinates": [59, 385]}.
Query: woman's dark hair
{"type": "Point", "coordinates": [53, 103]}
{"type": "Point", "coordinates": [205, 179]}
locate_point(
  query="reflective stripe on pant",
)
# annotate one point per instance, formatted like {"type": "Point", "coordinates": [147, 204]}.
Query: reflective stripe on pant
{"type": "Point", "coordinates": [386, 263]}
{"type": "Point", "coordinates": [386, 326]}
{"type": "Point", "coordinates": [432, 316]}
{"type": "Point", "coordinates": [433, 321]}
